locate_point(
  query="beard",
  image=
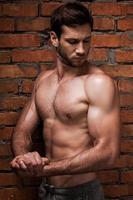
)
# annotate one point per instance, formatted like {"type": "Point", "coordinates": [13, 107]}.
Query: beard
{"type": "Point", "coordinates": [71, 62]}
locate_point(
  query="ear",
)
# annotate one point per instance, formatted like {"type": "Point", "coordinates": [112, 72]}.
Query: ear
{"type": "Point", "coordinates": [54, 39]}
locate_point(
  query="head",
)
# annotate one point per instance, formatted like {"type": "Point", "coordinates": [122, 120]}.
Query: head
{"type": "Point", "coordinates": [70, 14]}
{"type": "Point", "coordinates": [71, 26]}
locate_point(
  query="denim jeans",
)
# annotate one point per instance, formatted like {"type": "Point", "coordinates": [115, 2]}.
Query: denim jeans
{"type": "Point", "coordinates": [91, 190]}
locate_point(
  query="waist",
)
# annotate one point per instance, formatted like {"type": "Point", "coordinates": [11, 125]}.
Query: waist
{"type": "Point", "coordinates": [74, 190]}
{"type": "Point", "coordinates": [70, 180]}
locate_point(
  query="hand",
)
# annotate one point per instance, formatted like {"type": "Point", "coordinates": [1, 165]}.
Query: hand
{"type": "Point", "coordinates": [31, 162]}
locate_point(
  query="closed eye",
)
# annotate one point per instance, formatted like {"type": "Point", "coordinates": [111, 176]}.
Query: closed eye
{"type": "Point", "coordinates": [72, 41]}
{"type": "Point", "coordinates": [86, 40]}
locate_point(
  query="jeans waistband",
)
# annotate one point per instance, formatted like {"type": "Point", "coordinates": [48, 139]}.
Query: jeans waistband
{"type": "Point", "coordinates": [75, 190]}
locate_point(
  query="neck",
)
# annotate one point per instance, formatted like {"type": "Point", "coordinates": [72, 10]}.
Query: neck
{"type": "Point", "coordinates": [67, 71]}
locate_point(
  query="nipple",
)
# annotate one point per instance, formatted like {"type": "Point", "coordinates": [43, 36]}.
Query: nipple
{"type": "Point", "coordinates": [68, 116]}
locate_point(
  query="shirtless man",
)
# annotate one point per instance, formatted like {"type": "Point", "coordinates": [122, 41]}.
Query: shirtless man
{"type": "Point", "coordinates": [79, 107]}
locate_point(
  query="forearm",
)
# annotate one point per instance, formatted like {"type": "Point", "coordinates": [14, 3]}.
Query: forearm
{"type": "Point", "coordinates": [21, 144]}
{"type": "Point", "coordinates": [87, 161]}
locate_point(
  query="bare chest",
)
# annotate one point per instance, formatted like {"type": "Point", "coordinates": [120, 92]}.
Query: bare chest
{"type": "Point", "coordinates": [65, 101]}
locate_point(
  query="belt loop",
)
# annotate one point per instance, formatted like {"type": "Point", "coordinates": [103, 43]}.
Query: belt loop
{"type": "Point", "coordinates": [52, 188]}
{"type": "Point", "coordinates": [49, 188]}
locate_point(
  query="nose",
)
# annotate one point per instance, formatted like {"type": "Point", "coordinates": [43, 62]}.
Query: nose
{"type": "Point", "coordinates": [80, 49]}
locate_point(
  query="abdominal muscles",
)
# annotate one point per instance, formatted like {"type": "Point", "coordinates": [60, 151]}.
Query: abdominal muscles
{"type": "Point", "coordinates": [64, 141]}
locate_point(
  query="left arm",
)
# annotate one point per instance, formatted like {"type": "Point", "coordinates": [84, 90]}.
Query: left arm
{"type": "Point", "coordinates": [103, 124]}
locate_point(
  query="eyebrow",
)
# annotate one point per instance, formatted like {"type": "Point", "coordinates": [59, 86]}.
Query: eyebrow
{"type": "Point", "coordinates": [88, 37]}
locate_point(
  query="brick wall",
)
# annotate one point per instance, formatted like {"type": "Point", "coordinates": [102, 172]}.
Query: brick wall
{"type": "Point", "coordinates": [25, 52]}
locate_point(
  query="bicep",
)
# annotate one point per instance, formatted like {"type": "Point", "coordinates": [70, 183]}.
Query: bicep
{"type": "Point", "coordinates": [105, 129]}
{"type": "Point", "coordinates": [103, 112]}
{"type": "Point", "coordinates": [104, 125]}
{"type": "Point", "coordinates": [104, 118]}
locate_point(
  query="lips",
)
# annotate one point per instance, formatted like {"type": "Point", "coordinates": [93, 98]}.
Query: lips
{"type": "Point", "coordinates": [79, 58]}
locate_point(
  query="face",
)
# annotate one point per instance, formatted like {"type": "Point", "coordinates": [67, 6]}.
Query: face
{"type": "Point", "coordinates": [74, 44]}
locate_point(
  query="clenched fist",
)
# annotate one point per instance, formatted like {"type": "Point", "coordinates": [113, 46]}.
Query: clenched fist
{"type": "Point", "coordinates": [32, 163]}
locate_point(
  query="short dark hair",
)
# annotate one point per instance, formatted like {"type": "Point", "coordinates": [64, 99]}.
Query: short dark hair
{"type": "Point", "coordinates": [70, 14]}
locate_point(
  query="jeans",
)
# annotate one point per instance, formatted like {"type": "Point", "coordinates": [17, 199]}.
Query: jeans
{"type": "Point", "coordinates": [91, 190]}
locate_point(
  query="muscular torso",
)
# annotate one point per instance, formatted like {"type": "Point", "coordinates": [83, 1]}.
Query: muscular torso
{"type": "Point", "coordinates": [63, 107]}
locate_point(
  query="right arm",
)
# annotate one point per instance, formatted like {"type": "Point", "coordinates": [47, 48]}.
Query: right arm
{"type": "Point", "coordinates": [21, 139]}
{"type": "Point", "coordinates": [29, 119]}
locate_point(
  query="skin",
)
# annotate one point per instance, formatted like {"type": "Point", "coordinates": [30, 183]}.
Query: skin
{"type": "Point", "coordinates": [79, 107]}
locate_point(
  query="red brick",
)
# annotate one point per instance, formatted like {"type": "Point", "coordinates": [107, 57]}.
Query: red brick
{"type": "Point", "coordinates": [126, 40]}
{"type": "Point", "coordinates": [6, 133]}
{"type": "Point", "coordinates": [126, 9]}
{"type": "Point", "coordinates": [32, 181]}
{"type": "Point", "coordinates": [4, 164]}
{"type": "Point", "coordinates": [130, 190]}
{"type": "Point", "coordinates": [126, 145]}
{"type": "Point", "coordinates": [27, 86]}
{"type": "Point", "coordinates": [126, 100]}
{"type": "Point", "coordinates": [129, 161]}
{"type": "Point", "coordinates": [105, 40]}
{"type": "Point", "coordinates": [48, 8]}
{"type": "Point", "coordinates": [8, 179]}
{"type": "Point", "coordinates": [111, 40]}
{"type": "Point", "coordinates": [14, 71]}
{"type": "Point", "coordinates": [118, 70]}
{"type": "Point", "coordinates": [124, 161]}
{"type": "Point", "coordinates": [6, 24]}
{"type": "Point", "coordinates": [125, 85]}
{"type": "Point", "coordinates": [124, 56]}
{"type": "Point", "coordinates": [7, 86]}
{"type": "Point", "coordinates": [33, 56]}
{"type": "Point", "coordinates": [127, 177]}
{"type": "Point", "coordinates": [19, 9]}
{"type": "Point", "coordinates": [127, 130]}
{"type": "Point", "coordinates": [19, 193]}
{"type": "Point", "coordinates": [109, 176]}
{"type": "Point", "coordinates": [8, 118]}
{"type": "Point", "coordinates": [125, 24]}
{"type": "Point", "coordinates": [116, 190]}
{"type": "Point", "coordinates": [19, 40]}
{"type": "Point", "coordinates": [37, 24]}
{"type": "Point", "coordinates": [103, 23]}
{"type": "Point", "coordinates": [127, 116]}
{"type": "Point", "coordinates": [106, 9]}
{"type": "Point", "coordinates": [5, 57]}
{"type": "Point", "coordinates": [120, 163]}
{"type": "Point", "coordinates": [45, 67]}
{"type": "Point", "coordinates": [98, 54]}
{"type": "Point", "coordinates": [110, 9]}
{"type": "Point", "coordinates": [13, 103]}
{"type": "Point", "coordinates": [5, 150]}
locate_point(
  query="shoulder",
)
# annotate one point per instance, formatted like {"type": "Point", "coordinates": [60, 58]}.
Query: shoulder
{"type": "Point", "coordinates": [42, 76]}
{"type": "Point", "coordinates": [96, 77]}
{"type": "Point", "coordinates": [100, 81]}
{"type": "Point", "coordinates": [100, 87]}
